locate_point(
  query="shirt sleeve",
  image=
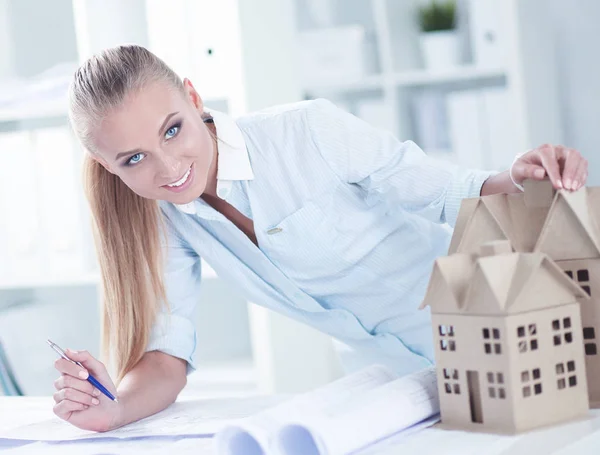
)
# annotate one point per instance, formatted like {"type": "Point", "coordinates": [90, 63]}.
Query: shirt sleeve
{"type": "Point", "coordinates": [389, 170]}
{"type": "Point", "coordinates": [174, 332]}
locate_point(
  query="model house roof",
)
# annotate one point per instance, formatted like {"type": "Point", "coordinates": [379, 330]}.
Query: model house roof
{"type": "Point", "coordinates": [563, 224]}
{"type": "Point", "coordinates": [498, 281]}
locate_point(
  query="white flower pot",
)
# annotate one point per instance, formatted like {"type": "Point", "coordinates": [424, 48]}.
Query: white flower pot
{"type": "Point", "coordinates": [440, 50]}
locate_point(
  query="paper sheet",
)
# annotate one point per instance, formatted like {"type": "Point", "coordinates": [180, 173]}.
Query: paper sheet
{"type": "Point", "coordinates": [187, 446]}
{"type": "Point", "coordinates": [259, 430]}
{"type": "Point", "coordinates": [364, 420]}
{"type": "Point", "coordinates": [191, 417]}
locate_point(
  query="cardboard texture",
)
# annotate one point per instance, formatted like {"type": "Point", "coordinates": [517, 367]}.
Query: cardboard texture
{"type": "Point", "coordinates": [516, 310]}
{"type": "Point", "coordinates": [562, 224]}
{"type": "Point", "coordinates": [508, 340]}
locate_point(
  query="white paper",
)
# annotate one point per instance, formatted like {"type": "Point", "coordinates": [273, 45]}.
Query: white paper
{"type": "Point", "coordinates": [256, 432]}
{"type": "Point", "coordinates": [358, 423]}
{"type": "Point", "coordinates": [150, 446]}
{"type": "Point", "coordinates": [193, 417]}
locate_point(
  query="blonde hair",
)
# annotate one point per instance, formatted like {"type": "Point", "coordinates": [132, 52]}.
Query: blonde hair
{"type": "Point", "coordinates": [127, 227]}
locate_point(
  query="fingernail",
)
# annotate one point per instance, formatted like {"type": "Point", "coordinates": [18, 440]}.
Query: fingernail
{"type": "Point", "coordinates": [559, 183]}
{"type": "Point", "coordinates": [83, 374]}
{"type": "Point", "coordinates": [575, 185]}
{"type": "Point", "coordinates": [85, 406]}
{"type": "Point", "coordinates": [567, 183]}
{"type": "Point", "coordinates": [96, 392]}
{"type": "Point", "coordinates": [539, 173]}
{"type": "Point", "coordinates": [72, 352]}
{"type": "Point", "coordinates": [95, 401]}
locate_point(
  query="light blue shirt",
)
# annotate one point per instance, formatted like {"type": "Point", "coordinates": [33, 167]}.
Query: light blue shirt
{"type": "Point", "coordinates": [348, 220]}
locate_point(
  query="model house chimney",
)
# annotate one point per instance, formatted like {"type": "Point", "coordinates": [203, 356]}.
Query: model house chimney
{"type": "Point", "coordinates": [538, 193]}
{"type": "Point", "coordinates": [495, 247]}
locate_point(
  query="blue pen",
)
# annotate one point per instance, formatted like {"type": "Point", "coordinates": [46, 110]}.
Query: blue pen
{"type": "Point", "coordinates": [90, 378]}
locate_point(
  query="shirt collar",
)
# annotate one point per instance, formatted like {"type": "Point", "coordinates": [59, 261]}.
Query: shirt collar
{"type": "Point", "coordinates": [233, 161]}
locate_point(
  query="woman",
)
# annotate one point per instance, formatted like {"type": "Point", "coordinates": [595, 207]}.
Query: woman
{"type": "Point", "coordinates": [312, 211]}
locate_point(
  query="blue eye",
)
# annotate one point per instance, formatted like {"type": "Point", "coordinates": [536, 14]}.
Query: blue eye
{"type": "Point", "coordinates": [135, 159]}
{"type": "Point", "coordinates": [172, 132]}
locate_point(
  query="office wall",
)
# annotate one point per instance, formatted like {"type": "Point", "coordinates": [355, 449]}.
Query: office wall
{"type": "Point", "coordinates": [577, 34]}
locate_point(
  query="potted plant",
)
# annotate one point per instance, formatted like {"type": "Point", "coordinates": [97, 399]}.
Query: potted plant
{"type": "Point", "coordinates": [439, 38]}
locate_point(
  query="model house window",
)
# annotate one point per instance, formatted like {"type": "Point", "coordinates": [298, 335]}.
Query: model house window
{"type": "Point", "coordinates": [447, 342]}
{"type": "Point", "coordinates": [566, 377]}
{"type": "Point", "coordinates": [532, 382]}
{"type": "Point", "coordinates": [589, 337]}
{"type": "Point", "coordinates": [451, 383]}
{"type": "Point", "coordinates": [491, 341]}
{"type": "Point", "coordinates": [582, 276]}
{"type": "Point", "coordinates": [527, 335]}
{"type": "Point", "coordinates": [496, 385]}
{"type": "Point", "coordinates": [562, 331]}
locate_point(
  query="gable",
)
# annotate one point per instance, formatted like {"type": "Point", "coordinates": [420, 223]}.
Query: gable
{"type": "Point", "coordinates": [467, 207]}
{"type": "Point", "coordinates": [499, 273]}
{"type": "Point", "coordinates": [481, 298]}
{"type": "Point", "coordinates": [567, 235]}
{"type": "Point", "coordinates": [482, 227]}
{"type": "Point", "coordinates": [593, 197]}
{"type": "Point", "coordinates": [544, 289]}
{"type": "Point", "coordinates": [527, 222]}
{"type": "Point", "coordinates": [448, 283]}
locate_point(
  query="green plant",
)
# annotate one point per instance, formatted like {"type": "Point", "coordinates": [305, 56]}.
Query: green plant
{"type": "Point", "coordinates": [437, 16]}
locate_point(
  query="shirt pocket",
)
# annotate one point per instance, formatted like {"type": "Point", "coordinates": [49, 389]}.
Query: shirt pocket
{"type": "Point", "coordinates": [304, 245]}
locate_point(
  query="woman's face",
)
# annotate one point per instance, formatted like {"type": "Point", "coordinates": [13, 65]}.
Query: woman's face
{"type": "Point", "coordinates": [158, 144]}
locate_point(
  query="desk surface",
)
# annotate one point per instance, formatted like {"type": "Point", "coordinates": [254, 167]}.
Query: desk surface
{"type": "Point", "coordinates": [575, 438]}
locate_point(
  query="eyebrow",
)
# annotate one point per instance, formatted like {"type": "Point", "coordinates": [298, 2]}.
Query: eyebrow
{"type": "Point", "coordinates": [162, 127]}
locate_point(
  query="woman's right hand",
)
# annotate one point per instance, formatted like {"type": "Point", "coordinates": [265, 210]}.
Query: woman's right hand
{"type": "Point", "coordinates": [78, 401]}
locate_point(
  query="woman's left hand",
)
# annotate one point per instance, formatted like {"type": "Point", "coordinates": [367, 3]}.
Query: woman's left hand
{"type": "Point", "coordinates": [565, 167]}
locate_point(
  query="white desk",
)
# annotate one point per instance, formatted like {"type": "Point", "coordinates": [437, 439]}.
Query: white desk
{"type": "Point", "coordinates": [575, 438]}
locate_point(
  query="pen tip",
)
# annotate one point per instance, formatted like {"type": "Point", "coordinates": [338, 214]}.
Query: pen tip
{"type": "Point", "coordinates": [116, 401]}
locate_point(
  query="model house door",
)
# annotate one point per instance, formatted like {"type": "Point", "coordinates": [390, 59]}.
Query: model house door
{"type": "Point", "coordinates": [474, 396]}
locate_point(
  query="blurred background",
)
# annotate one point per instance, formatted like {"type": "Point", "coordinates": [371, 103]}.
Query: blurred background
{"type": "Point", "coordinates": [474, 86]}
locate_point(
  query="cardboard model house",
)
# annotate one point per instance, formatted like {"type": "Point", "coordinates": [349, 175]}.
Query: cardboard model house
{"type": "Point", "coordinates": [509, 349]}
{"type": "Point", "coordinates": [564, 225]}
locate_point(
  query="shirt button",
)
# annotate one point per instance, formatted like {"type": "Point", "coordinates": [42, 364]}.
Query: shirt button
{"type": "Point", "coordinates": [274, 231]}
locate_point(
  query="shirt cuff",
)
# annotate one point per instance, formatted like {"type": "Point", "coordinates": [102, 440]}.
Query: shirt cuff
{"type": "Point", "coordinates": [466, 184]}
{"type": "Point", "coordinates": [176, 336]}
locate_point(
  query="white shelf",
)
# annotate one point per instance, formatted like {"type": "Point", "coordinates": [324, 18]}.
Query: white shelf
{"type": "Point", "coordinates": [40, 111]}
{"type": "Point", "coordinates": [374, 81]}
{"type": "Point", "coordinates": [459, 74]}
{"type": "Point", "coordinates": [410, 78]}
{"type": "Point", "coordinates": [91, 279]}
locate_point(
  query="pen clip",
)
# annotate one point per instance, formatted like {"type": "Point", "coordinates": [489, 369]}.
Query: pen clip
{"type": "Point", "coordinates": [62, 353]}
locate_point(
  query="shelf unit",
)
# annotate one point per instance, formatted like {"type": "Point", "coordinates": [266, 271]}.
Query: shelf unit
{"type": "Point", "coordinates": [394, 73]}
{"type": "Point", "coordinates": [414, 78]}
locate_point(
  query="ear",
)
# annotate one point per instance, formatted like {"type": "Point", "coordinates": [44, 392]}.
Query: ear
{"type": "Point", "coordinates": [101, 160]}
{"type": "Point", "coordinates": [193, 94]}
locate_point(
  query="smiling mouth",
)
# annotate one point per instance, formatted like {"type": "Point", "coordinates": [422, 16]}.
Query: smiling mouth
{"type": "Point", "coordinates": [182, 180]}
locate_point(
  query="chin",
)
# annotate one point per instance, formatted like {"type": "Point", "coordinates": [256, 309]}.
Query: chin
{"type": "Point", "coordinates": [184, 198]}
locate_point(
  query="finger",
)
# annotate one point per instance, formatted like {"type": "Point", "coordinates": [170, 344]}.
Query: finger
{"type": "Point", "coordinates": [571, 160]}
{"type": "Point", "coordinates": [522, 171]}
{"type": "Point", "coordinates": [66, 367]}
{"type": "Point", "coordinates": [87, 360]}
{"type": "Point", "coordinates": [76, 396]}
{"type": "Point", "coordinates": [69, 382]}
{"type": "Point", "coordinates": [65, 408]}
{"type": "Point", "coordinates": [550, 163]}
{"type": "Point", "coordinates": [581, 175]}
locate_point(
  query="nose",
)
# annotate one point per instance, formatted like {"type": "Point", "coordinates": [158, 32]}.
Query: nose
{"type": "Point", "coordinates": [170, 168]}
